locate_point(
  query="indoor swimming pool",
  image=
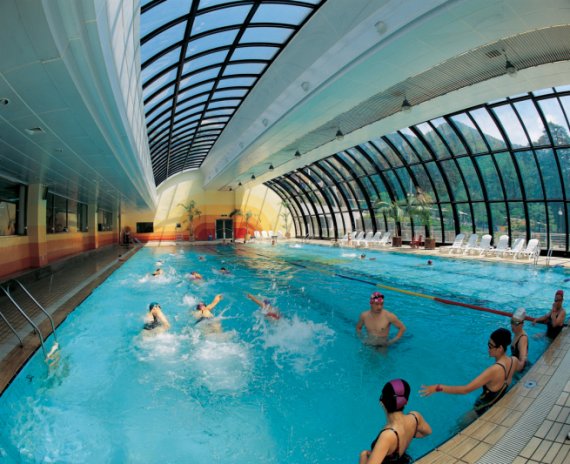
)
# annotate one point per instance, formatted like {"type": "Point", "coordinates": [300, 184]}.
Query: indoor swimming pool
{"type": "Point", "coordinates": [302, 389]}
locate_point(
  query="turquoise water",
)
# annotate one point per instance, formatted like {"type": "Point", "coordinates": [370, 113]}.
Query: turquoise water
{"type": "Point", "coordinates": [300, 390]}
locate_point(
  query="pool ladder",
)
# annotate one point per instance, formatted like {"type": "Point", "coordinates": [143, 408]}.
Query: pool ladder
{"type": "Point", "coordinates": [36, 330]}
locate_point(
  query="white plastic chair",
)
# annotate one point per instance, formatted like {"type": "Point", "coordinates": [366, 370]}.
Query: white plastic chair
{"type": "Point", "coordinates": [531, 251]}
{"type": "Point", "coordinates": [364, 240]}
{"type": "Point", "coordinates": [518, 246]}
{"type": "Point", "coordinates": [502, 246]}
{"type": "Point", "coordinates": [456, 245]}
{"type": "Point", "coordinates": [270, 233]}
{"type": "Point", "coordinates": [484, 245]}
{"type": "Point", "coordinates": [256, 234]}
{"type": "Point", "coordinates": [264, 235]}
{"type": "Point", "coordinates": [471, 244]}
{"type": "Point", "coordinates": [386, 239]}
{"type": "Point", "coordinates": [375, 239]}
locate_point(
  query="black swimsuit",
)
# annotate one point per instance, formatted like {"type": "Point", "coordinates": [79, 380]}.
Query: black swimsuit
{"type": "Point", "coordinates": [551, 331]}
{"type": "Point", "coordinates": [515, 350]}
{"type": "Point", "coordinates": [152, 325]}
{"type": "Point", "coordinates": [488, 398]}
{"type": "Point", "coordinates": [395, 457]}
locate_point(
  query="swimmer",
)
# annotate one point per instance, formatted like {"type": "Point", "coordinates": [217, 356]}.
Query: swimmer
{"type": "Point", "coordinates": [204, 311]}
{"type": "Point", "coordinates": [195, 276]}
{"type": "Point", "coordinates": [494, 380]}
{"type": "Point", "coordinates": [224, 271]}
{"type": "Point", "coordinates": [157, 272]}
{"type": "Point", "coordinates": [555, 318]}
{"type": "Point", "coordinates": [363, 256]}
{"type": "Point", "coordinates": [378, 321]}
{"type": "Point", "coordinates": [393, 440]}
{"type": "Point", "coordinates": [429, 262]}
{"type": "Point", "coordinates": [155, 319]}
{"type": "Point", "coordinates": [519, 347]}
{"type": "Point", "coordinates": [201, 258]}
{"type": "Point", "coordinates": [267, 309]}
{"type": "Point", "coordinates": [273, 242]}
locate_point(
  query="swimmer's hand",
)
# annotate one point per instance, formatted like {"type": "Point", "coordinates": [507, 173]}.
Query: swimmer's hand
{"type": "Point", "coordinates": [428, 390]}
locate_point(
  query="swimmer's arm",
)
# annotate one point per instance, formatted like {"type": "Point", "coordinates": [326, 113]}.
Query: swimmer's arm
{"type": "Point", "coordinates": [424, 429]}
{"type": "Point", "coordinates": [560, 319]}
{"type": "Point", "coordinates": [360, 323]}
{"type": "Point", "coordinates": [541, 318]}
{"type": "Point", "coordinates": [255, 300]}
{"type": "Point", "coordinates": [523, 351]}
{"type": "Point", "coordinates": [162, 318]}
{"type": "Point", "coordinates": [401, 328]}
{"type": "Point", "coordinates": [482, 379]}
{"type": "Point", "coordinates": [214, 302]}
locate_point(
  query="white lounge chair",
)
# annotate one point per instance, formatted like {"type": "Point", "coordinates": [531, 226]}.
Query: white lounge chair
{"type": "Point", "coordinates": [375, 239]}
{"type": "Point", "coordinates": [456, 245]}
{"type": "Point", "coordinates": [471, 244]}
{"type": "Point", "coordinates": [502, 246]}
{"type": "Point", "coordinates": [344, 239]}
{"type": "Point", "coordinates": [256, 234]}
{"type": "Point", "coordinates": [270, 234]}
{"type": "Point", "coordinates": [280, 234]}
{"type": "Point", "coordinates": [517, 247]}
{"type": "Point", "coordinates": [359, 236]}
{"type": "Point", "coordinates": [364, 240]}
{"type": "Point", "coordinates": [531, 251]}
{"type": "Point", "coordinates": [264, 235]}
{"type": "Point", "coordinates": [484, 245]}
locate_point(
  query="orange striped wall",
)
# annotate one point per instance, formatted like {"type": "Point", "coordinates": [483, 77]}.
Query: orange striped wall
{"type": "Point", "coordinates": [15, 255]}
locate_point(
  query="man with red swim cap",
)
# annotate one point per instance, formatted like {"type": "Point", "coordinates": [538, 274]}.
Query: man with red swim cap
{"type": "Point", "coordinates": [378, 321]}
{"type": "Point", "coordinates": [555, 318]}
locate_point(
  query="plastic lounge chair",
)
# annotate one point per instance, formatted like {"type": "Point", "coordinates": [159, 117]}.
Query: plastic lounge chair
{"type": "Point", "coordinates": [364, 240]}
{"type": "Point", "coordinates": [359, 236]}
{"type": "Point", "coordinates": [343, 239]}
{"type": "Point", "coordinates": [471, 244]}
{"type": "Point", "coordinates": [386, 239]}
{"type": "Point", "coordinates": [457, 243]}
{"type": "Point", "coordinates": [484, 245]}
{"type": "Point", "coordinates": [270, 234]}
{"type": "Point", "coordinates": [280, 234]}
{"type": "Point", "coordinates": [256, 234]}
{"type": "Point", "coordinates": [531, 251]}
{"type": "Point", "coordinates": [502, 246]}
{"type": "Point", "coordinates": [375, 239]}
{"type": "Point", "coordinates": [264, 235]}
{"type": "Point", "coordinates": [518, 246]}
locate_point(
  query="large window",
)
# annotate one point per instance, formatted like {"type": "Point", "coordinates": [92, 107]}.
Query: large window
{"type": "Point", "coordinates": [12, 201]}
{"type": "Point", "coordinates": [104, 220]}
{"type": "Point", "coordinates": [63, 215]}
{"type": "Point", "coordinates": [502, 169]}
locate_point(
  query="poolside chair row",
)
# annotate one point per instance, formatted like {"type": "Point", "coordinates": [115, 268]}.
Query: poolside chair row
{"type": "Point", "coordinates": [362, 239]}
{"type": "Point", "coordinates": [484, 247]}
{"type": "Point", "coordinates": [267, 234]}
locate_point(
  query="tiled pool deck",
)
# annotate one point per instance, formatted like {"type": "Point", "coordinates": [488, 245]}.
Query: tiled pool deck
{"type": "Point", "coordinates": [529, 425]}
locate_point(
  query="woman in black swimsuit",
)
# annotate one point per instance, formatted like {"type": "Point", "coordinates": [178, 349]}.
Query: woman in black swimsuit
{"type": "Point", "coordinates": [555, 318]}
{"type": "Point", "coordinates": [494, 380]}
{"type": "Point", "coordinates": [519, 347]}
{"type": "Point", "coordinates": [391, 444]}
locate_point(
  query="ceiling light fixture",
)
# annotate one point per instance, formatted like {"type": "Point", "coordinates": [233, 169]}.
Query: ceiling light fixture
{"type": "Point", "coordinates": [239, 184]}
{"type": "Point", "coordinates": [339, 135]}
{"type": "Point", "coordinates": [406, 105]}
{"type": "Point", "coordinates": [381, 27]}
{"type": "Point", "coordinates": [4, 101]}
{"type": "Point", "coordinates": [265, 122]}
{"type": "Point", "coordinates": [34, 130]}
{"type": "Point", "coordinates": [305, 85]}
{"type": "Point", "coordinates": [271, 168]}
{"type": "Point", "coordinates": [253, 177]}
{"type": "Point", "coordinates": [510, 68]}
{"type": "Point", "coordinates": [297, 154]}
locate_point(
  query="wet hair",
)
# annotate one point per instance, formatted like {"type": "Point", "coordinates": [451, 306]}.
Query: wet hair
{"type": "Point", "coordinates": [501, 337]}
{"type": "Point", "coordinates": [559, 292]}
{"type": "Point", "coordinates": [152, 305]}
{"type": "Point", "coordinates": [395, 395]}
{"type": "Point", "coordinates": [200, 305]}
{"type": "Point", "coordinates": [266, 302]}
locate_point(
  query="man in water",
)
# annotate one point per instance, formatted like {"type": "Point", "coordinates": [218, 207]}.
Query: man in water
{"type": "Point", "coordinates": [378, 321]}
{"type": "Point", "coordinates": [157, 272]}
{"type": "Point", "coordinates": [555, 318]}
{"type": "Point", "coordinates": [155, 319]}
{"type": "Point", "coordinates": [204, 311]}
{"type": "Point", "coordinates": [269, 311]}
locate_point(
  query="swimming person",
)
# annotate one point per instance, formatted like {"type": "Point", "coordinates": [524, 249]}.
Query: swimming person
{"type": "Point", "coordinates": [195, 276]}
{"type": "Point", "coordinates": [204, 311]}
{"type": "Point", "coordinates": [393, 440]}
{"type": "Point", "coordinates": [555, 317]}
{"type": "Point", "coordinates": [267, 309]}
{"type": "Point", "coordinates": [159, 322]}
{"type": "Point", "coordinates": [494, 380]}
{"type": "Point", "coordinates": [519, 347]}
{"type": "Point", "coordinates": [157, 272]}
{"type": "Point", "coordinates": [224, 271]}
{"type": "Point", "coordinates": [378, 321]}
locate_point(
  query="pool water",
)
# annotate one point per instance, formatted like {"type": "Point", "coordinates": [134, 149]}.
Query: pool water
{"type": "Point", "coordinates": [303, 389]}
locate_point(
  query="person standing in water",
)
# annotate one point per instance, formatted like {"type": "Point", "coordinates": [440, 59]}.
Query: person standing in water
{"type": "Point", "coordinates": [395, 437]}
{"type": "Point", "coordinates": [378, 321]}
{"type": "Point", "coordinates": [555, 317]}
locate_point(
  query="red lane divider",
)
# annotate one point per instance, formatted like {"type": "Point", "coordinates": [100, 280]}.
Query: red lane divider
{"type": "Point", "coordinates": [479, 308]}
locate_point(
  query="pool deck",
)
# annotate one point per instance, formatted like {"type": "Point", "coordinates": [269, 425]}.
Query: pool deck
{"type": "Point", "coordinates": [529, 425]}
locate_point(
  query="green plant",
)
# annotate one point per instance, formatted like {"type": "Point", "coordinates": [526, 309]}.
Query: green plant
{"type": "Point", "coordinates": [247, 215]}
{"type": "Point", "coordinates": [420, 205]}
{"type": "Point", "coordinates": [393, 210]}
{"type": "Point", "coordinates": [192, 212]}
{"type": "Point", "coordinates": [286, 216]}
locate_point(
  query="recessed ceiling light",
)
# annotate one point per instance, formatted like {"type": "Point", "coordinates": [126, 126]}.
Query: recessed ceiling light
{"type": "Point", "coordinates": [4, 101]}
{"type": "Point", "coordinates": [305, 85]}
{"type": "Point", "coordinates": [34, 130]}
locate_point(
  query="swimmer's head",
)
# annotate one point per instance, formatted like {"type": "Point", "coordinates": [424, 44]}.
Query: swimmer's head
{"type": "Point", "coordinates": [430, 262]}
{"type": "Point", "coordinates": [559, 294]}
{"type": "Point", "coordinates": [376, 297]}
{"type": "Point", "coordinates": [395, 395]}
{"type": "Point", "coordinates": [266, 302]}
{"type": "Point", "coordinates": [152, 305]}
{"type": "Point", "coordinates": [362, 256]}
{"type": "Point", "coordinates": [200, 306]}
{"type": "Point", "coordinates": [501, 337]}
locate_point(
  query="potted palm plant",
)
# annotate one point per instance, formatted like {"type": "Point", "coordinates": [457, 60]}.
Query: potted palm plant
{"type": "Point", "coordinates": [393, 210]}
{"type": "Point", "coordinates": [247, 215]}
{"type": "Point", "coordinates": [420, 206]}
{"type": "Point", "coordinates": [192, 212]}
{"type": "Point", "coordinates": [286, 216]}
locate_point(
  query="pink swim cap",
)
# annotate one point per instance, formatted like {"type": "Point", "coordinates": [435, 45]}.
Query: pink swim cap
{"type": "Point", "coordinates": [376, 297]}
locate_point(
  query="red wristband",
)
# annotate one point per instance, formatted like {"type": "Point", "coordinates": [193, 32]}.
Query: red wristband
{"type": "Point", "coordinates": [438, 388]}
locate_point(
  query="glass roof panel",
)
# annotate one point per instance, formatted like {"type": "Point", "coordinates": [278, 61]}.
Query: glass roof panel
{"type": "Point", "coordinates": [489, 129]}
{"type": "Point", "coordinates": [470, 133]}
{"type": "Point", "coordinates": [450, 136]}
{"type": "Point", "coordinates": [181, 37]}
{"type": "Point", "coordinates": [216, 19]}
{"type": "Point", "coordinates": [512, 126]}
{"type": "Point", "coordinates": [531, 119]}
{"type": "Point", "coordinates": [556, 121]}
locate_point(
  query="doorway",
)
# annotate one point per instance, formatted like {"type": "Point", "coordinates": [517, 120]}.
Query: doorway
{"type": "Point", "coordinates": [224, 229]}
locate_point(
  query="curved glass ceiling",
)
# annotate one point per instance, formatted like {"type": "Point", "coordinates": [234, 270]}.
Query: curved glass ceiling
{"type": "Point", "coordinates": [200, 59]}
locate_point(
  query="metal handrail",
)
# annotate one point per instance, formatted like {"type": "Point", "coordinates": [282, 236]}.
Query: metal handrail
{"type": "Point", "coordinates": [39, 306]}
{"type": "Point", "coordinates": [22, 312]}
{"type": "Point", "coordinates": [12, 328]}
